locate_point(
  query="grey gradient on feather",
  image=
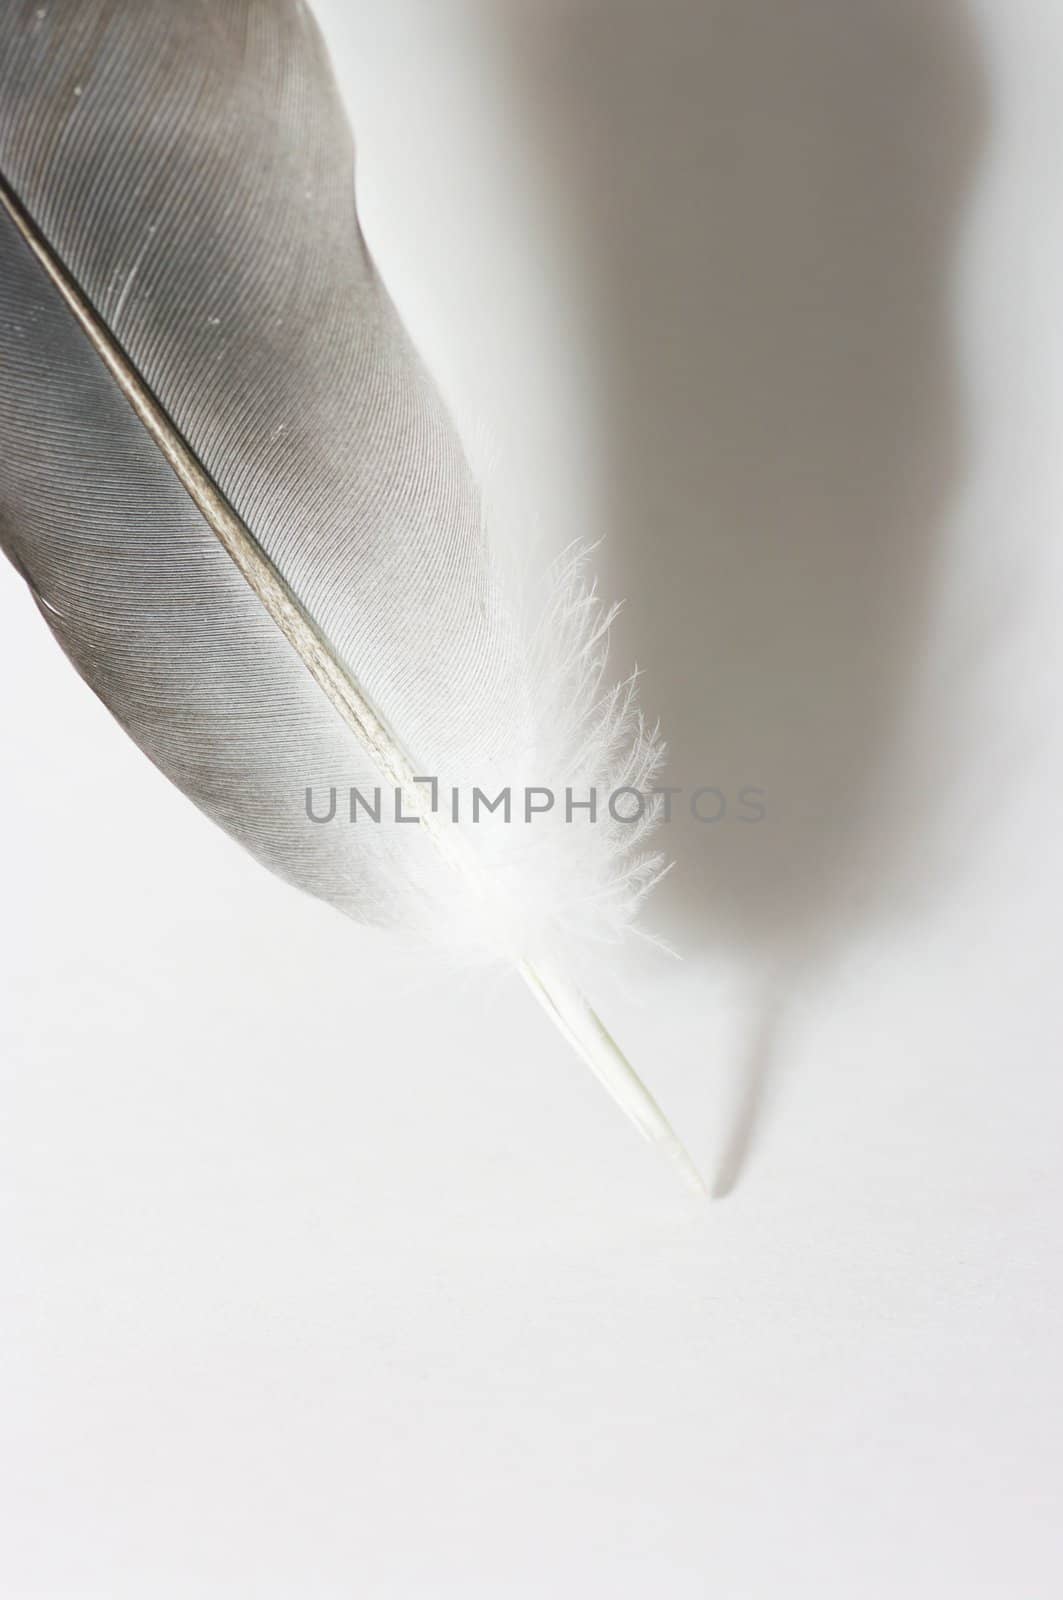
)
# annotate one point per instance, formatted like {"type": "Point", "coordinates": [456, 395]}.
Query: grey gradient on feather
{"type": "Point", "coordinates": [183, 279]}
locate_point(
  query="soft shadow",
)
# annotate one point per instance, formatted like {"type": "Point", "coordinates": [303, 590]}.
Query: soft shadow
{"type": "Point", "coordinates": [750, 1103]}
{"type": "Point", "coordinates": [766, 195]}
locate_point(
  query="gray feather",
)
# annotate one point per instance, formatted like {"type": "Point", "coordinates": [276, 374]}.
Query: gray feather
{"type": "Point", "coordinates": [191, 168]}
{"type": "Point", "coordinates": [239, 502]}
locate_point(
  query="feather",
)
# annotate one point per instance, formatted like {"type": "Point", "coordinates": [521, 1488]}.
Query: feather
{"type": "Point", "coordinates": [244, 513]}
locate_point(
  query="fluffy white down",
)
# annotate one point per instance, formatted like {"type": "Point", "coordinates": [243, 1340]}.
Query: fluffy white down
{"type": "Point", "coordinates": [560, 880]}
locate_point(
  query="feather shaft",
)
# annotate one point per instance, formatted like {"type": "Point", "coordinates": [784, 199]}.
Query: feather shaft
{"type": "Point", "coordinates": [596, 1047]}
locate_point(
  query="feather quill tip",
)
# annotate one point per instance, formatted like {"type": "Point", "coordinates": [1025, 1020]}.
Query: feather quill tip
{"type": "Point", "coordinates": [594, 1044]}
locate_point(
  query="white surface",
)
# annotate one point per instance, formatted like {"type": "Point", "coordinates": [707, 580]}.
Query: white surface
{"type": "Point", "coordinates": [286, 1311]}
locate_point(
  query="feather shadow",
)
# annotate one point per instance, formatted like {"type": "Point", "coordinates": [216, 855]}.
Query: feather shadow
{"type": "Point", "coordinates": [765, 197]}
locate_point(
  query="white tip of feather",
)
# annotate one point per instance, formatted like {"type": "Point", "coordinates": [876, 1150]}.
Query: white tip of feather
{"type": "Point", "coordinates": [593, 1043]}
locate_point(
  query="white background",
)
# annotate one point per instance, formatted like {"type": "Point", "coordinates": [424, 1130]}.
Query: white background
{"type": "Point", "coordinates": [324, 1277]}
